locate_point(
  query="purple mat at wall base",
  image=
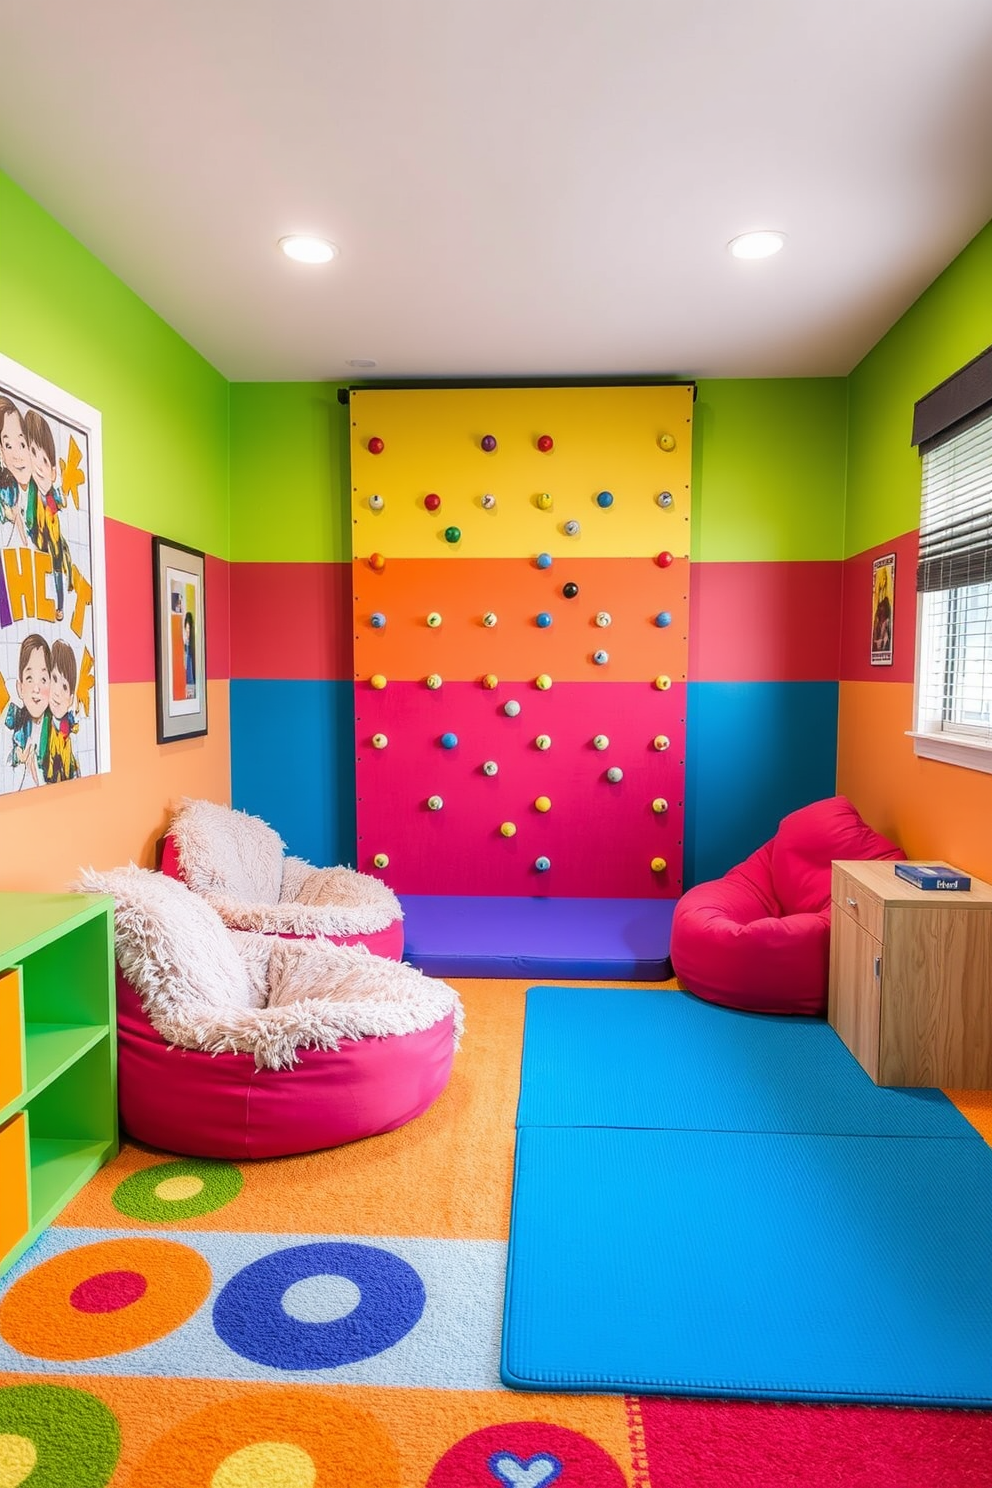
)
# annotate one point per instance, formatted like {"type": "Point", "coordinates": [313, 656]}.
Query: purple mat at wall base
{"type": "Point", "coordinates": [504, 936]}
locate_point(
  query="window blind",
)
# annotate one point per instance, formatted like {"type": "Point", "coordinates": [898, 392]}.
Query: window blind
{"type": "Point", "coordinates": [956, 512]}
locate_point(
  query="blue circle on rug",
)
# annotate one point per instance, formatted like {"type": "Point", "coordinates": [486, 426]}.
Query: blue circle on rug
{"type": "Point", "coordinates": [250, 1318]}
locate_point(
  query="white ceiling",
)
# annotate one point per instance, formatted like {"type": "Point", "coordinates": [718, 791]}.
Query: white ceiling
{"type": "Point", "coordinates": [519, 188]}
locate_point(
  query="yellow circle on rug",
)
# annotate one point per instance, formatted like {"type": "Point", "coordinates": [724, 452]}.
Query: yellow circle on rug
{"type": "Point", "coordinates": [266, 1465]}
{"type": "Point", "coordinates": [248, 1441]}
{"type": "Point", "coordinates": [173, 1189]}
{"type": "Point", "coordinates": [17, 1460]}
{"type": "Point", "coordinates": [104, 1299]}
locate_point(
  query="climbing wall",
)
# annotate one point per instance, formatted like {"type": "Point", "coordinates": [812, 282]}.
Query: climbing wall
{"type": "Point", "coordinates": [520, 585]}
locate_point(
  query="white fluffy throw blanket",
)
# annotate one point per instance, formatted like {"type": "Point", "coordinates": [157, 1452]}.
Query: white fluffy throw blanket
{"type": "Point", "coordinates": [209, 988]}
{"type": "Point", "coordinates": [235, 861]}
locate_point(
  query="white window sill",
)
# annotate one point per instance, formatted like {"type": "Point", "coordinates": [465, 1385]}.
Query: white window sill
{"type": "Point", "coordinates": [969, 754]}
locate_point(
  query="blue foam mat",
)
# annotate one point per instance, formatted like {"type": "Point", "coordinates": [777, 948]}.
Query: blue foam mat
{"type": "Point", "coordinates": [509, 936]}
{"type": "Point", "coordinates": [638, 1058]}
{"type": "Point", "coordinates": [755, 1265]}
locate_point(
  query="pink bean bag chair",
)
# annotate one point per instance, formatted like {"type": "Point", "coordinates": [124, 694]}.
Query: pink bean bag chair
{"type": "Point", "coordinates": [233, 1044]}
{"type": "Point", "coordinates": [236, 862]}
{"type": "Point", "coordinates": [759, 938]}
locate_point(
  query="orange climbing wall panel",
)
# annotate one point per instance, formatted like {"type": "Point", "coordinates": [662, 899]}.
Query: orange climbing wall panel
{"type": "Point", "coordinates": [595, 511]}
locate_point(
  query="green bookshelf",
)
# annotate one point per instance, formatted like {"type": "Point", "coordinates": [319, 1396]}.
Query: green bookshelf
{"type": "Point", "coordinates": [58, 1057]}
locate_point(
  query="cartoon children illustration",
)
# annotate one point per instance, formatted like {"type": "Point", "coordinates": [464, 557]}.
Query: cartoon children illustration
{"type": "Point", "coordinates": [18, 493]}
{"type": "Point", "coordinates": [59, 761]}
{"type": "Point", "coordinates": [48, 527]}
{"type": "Point", "coordinates": [31, 722]}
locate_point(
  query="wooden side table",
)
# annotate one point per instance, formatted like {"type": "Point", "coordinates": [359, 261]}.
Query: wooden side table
{"type": "Point", "coordinates": [911, 977]}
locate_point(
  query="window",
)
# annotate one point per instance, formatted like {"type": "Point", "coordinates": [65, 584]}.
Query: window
{"type": "Point", "coordinates": [953, 707]}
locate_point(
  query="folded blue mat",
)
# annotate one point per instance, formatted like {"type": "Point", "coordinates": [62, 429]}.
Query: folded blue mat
{"type": "Point", "coordinates": [714, 1263]}
{"type": "Point", "coordinates": [717, 1203]}
{"type": "Point", "coordinates": [629, 1058]}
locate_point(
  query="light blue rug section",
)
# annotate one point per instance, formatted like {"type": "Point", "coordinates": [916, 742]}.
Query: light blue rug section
{"type": "Point", "coordinates": [757, 1265]}
{"type": "Point", "coordinates": [633, 1058]}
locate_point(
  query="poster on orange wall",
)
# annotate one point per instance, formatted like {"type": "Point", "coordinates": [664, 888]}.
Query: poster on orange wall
{"type": "Point", "coordinates": [883, 601]}
{"type": "Point", "coordinates": [54, 714]}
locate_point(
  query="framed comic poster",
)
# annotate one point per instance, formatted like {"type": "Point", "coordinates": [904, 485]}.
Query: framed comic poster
{"type": "Point", "coordinates": [180, 640]}
{"type": "Point", "coordinates": [54, 710]}
{"type": "Point", "coordinates": [883, 572]}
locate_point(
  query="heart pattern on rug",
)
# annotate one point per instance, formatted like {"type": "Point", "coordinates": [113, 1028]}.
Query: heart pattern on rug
{"type": "Point", "coordinates": [514, 1472]}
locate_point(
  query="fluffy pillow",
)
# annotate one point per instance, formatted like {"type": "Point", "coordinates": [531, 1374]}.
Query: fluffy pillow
{"type": "Point", "coordinates": [228, 853]}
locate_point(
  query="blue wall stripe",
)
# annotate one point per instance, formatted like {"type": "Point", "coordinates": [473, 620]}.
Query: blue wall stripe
{"type": "Point", "coordinates": [754, 752]}
{"type": "Point", "coordinates": [293, 763]}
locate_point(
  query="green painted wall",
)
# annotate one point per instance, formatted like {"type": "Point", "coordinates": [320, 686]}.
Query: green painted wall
{"type": "Point", "coordinates": [768, 462]}
{"type": "Point", "coordinates": [66, 317]}
{"type": "Point", "coordinates": [289, 473]}
{"type": "Point", "coordinates": [949, 324]}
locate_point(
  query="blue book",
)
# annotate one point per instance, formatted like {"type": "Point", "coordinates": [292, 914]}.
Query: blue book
{"type": "Point", "coordinates": [932, 876]}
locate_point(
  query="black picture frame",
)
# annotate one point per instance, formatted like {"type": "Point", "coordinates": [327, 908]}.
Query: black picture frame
{"type": "Point", "coordinates": [179, 588]}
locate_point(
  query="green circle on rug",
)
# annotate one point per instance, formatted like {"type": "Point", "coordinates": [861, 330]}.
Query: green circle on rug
{"type": "Point", "coordinates": [75, 1438]}
{"type": "Point", "coordinates": [174, 1191]}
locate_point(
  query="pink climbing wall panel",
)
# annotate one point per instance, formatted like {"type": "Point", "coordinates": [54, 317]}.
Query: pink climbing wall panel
{"type": "Point", "coordinates": [549, 543]}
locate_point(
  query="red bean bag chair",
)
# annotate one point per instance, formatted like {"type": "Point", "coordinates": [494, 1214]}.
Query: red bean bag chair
{"type": "Point", "coordinates": [236, 862]}
{"type": "Point", "coordinates": [238, 1045]}
{"type": "Point", "coordinates": [759, 938]}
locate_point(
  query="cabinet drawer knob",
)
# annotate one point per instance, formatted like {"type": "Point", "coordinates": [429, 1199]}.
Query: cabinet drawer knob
{"type": "Point", "coordinates": [852, 902]}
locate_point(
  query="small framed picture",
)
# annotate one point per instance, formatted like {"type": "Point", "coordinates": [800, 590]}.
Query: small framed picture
{"type": "Point", "coordinates": [180, 640]}
{"type": "Point", "coordinates": [883, 602]}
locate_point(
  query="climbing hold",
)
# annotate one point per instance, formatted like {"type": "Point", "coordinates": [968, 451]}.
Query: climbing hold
{"type": "Point", "coordinates": [376, 503]}
{"type": "Point", "coordinates": [379, 741]}
{"type": "Point", "coordinates": [434, 803]}
{"type": "Point", "coordinates": [544, 620]}
{"type": "Point", "coordinates": [543, 560]}
{"type": "Point", "coordinates": [542, 864]}
{"type": "Point", "coordinates": [378, 620]}
{"type": "Point", "coordinates": [433, 619]}
{"type": "Point", "coordinates": [432, 501]}
{"type": "Point", "coordinates": [449, 741]}
{"type": "Point", "coordinates": [488, 501]}
{"type": "Point", "coordinates": [666, 442]}
{"type": "Point", "coordinates": [376, 445]}
{"type": "Point", "coordinates": [376, 562]}
{"type": "Point", "coordinates": [601, 741]}
{"type": "Point", "coordinates": [377, 681]}
{"type": "Point", "coordinates": [490, 768]}
{"type": "Point", "coordinates": [658, 865]}
{"type": "Point", "coordinates": [511, 708]}
{"type": "Point", "coordinates": [545, 443]}
{"type": "Point", "coordinates": [663, 619]}
{"type": "Point", "coordinates": [600, 658]}
{"type": "Point", "coordinates": [489, 619]}
{"type": "Point", "coordinates": [614, 774]}
{"type": "Point", "coordinates": [665, 498]}
{"type": "Point", "coordinates": [544, 501]}
{"type": "Point", "coordinates": [659, 805]}
{"type": "Point", "coordinates": [570, 590]}
{"type": "Point", "coordinates": [665, 559]}
{"type": "Point", "coordinates": [604, 499]}
{"type": "Point", "coordinates": [661, 741]}
{"type": "Point", "coordinates": [571, 529]}
{"type": "Point", "coordinates": [543, 803]}
{"type": "Point", "coordinates": [433, 681]}
{"type": "Point", "coordinates": [543, 682]}
{"type": "Point", "coordinates": [508, 830]}
{"type": "Point", "coordinates": [490, 680]}
{"type": "Point", "coordinates": [604, 618]}
{"type": "Point", "coordinates": [663, 683]}
{"type": "Point", "coordinates": [381, 860]}
{"type": "Point", "coordinates": [452, 534]}
{"type": "Point", "coordinates": [543, 741]}
{"type": "Point", "coordinates": [488, 443]}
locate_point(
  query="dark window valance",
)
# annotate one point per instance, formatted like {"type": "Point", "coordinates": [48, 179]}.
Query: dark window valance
{"type": "Point", "coordinates": [959, 397]}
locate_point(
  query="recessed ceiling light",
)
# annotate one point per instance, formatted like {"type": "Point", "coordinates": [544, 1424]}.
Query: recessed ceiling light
{"type": "Point", "coordinates": [308, 250]}
{"type": "Point", "coordinates": [756, 244]}
{"type": "Point", "coordinates": [363, 363]}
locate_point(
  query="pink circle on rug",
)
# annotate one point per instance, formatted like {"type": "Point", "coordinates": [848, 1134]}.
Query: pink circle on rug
{"type": "Point", "coordinates": [108, 1291]}
{"type": "Point", "coordinates": [531, 1453]}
